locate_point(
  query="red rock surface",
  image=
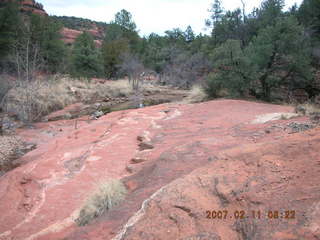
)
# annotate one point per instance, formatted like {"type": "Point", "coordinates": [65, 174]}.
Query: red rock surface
{"type": "Point", "coordinates": [69, 35]}
{"type": "Point", "coordinates": [208, 156]}
{"type": "Point", "coordinates": [30, 6]}
{"type": "Point", "coordinates": [276, 176]}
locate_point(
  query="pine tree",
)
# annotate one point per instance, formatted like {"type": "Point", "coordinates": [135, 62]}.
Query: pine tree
{"type": "Point", "coordinates": [233, 70]}
{"type": "Point", "coordinates": [85, 57]}
{"type": "Point", "coordinates": [189, 34]}
{"type": "Point", "coordinates": [111, 55]}
{"type": "Point", "coordinates": [9, 24]}
{"type": "Point", "coordinates": [124, 19]}
{"type": "Point", "coordinates": [309, 16]}
{"type": "Point", "coordinates": [280, 55]}
{"type": "Point", "coordinates": [121, 38]}
{"type": "Point", "coordinates": [269, 12]}
{"type": "Point", "coordinates": [216, 16]}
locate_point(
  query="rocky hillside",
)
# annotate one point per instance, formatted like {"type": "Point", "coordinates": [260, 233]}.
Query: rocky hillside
{"type": "Point", "coordinates": [69, 35]}
{"type": "Point", "coordinates": [28, 6]}
{"type": "Point", "coordinates": [73, 27]}
{"type": "Point", "coordinates": [220, 170]}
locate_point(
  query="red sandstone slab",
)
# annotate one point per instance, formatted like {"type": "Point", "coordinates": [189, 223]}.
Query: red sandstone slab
{"type": "Point", "coordinates": [40, 199]}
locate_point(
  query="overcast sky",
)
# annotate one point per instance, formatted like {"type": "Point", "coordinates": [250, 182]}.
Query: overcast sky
{"type": "Point", "coordinates": [149, 15]}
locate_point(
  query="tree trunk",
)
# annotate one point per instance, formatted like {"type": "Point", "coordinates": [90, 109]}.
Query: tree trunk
{"type": "Point", "coordinates": [266, 89]}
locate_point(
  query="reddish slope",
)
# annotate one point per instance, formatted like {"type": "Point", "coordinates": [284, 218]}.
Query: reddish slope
{"type": "Point", "coordinates": [30, 6]}
{"type": "Point", "coordinates": [279, 177]}
{"type": "Point", "coordinates": [40, 199]}
{"type": "Point", "coordinates": [69, 35]}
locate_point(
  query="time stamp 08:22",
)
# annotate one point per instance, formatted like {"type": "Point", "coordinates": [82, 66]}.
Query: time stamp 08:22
{"type": "Point", "coordinates": [252, 214]}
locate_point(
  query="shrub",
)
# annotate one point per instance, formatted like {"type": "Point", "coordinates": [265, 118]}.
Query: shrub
{"type": "Point", "coordinates": [118, 88]}
{"type": "Point", "coordinates": [185, 69]}
{"type": "Point", "coordinates": [5, 85]}
{"type": "Point", "coordinates": [307, 109]}
{"type": "Point", "coordinates": [107, 196]}
{"type": "Point", "coordinates": [32, 100]}
{"type": "Point", "coordinates": [213, 86]}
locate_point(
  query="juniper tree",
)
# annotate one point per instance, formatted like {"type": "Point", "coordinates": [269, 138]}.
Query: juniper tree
{"type": "Point", "coordinates": [280, 55]}
{"type": "Point", "coordinates": [232, 69]}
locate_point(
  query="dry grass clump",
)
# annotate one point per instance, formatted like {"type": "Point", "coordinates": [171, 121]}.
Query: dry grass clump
{"type": "Point", "coordinates": [311, 110]}
{"type": "Point", "coordinates": [91, 92]}
{"type": "Point", "coordinates": [32, 100]}
{"type": "Point", "coordinates": [107, 196]}
{"type": "Point", "coordinates": [288, 116]}
{"type": "Point", "coordinates": [308, 109]}
{"type": "Point", "coordinates": [123, 88]}
{"type": "Point", "coordinates": [119, 88]}
{"type": "Point", "coordinates": [9, 148]}
{"type": "Point", "coordinates": [196, 94]}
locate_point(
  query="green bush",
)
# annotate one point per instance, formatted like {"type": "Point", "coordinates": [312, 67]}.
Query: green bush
{"type": "Point", "coordinates": [213, 86]}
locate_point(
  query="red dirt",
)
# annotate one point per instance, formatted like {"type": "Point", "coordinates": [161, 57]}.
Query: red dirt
{"type": "Point", "coordinates": [207, 156]}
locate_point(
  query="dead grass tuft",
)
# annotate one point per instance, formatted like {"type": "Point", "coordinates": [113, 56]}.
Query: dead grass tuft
{"type": "Point", "coordinates": [107, 196]}
{"type": "Point", "coordinates": [196, 95]}
{"type": "Point", "coordinates": [32, 100]}
{"type": "Point", "coordinates": [308, 109]}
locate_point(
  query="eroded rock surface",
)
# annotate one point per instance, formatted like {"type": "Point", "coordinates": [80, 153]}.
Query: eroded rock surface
{"type": "Point", "coordinates": [70, 35]}
{"type": "Point", "coordinates": [204, 157]}
{"type": "Point", "coordinates": [278, 177]}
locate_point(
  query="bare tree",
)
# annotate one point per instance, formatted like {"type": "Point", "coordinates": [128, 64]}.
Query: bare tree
{"type": "Point", "coordinates": [243, 10]}
{"type": "Point", "coordinates": [26, 55]}
{"type": "Point", "coordinates": [185, 70]}
{"type": "Point", "coordinates": [134, 69]}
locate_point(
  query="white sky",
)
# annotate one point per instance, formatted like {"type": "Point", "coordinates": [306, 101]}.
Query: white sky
{"type": "Point", "coordinates": [149, 15]}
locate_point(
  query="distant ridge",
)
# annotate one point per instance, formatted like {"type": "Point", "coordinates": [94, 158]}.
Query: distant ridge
{"type": "Point", "coordinates": [72, 26]}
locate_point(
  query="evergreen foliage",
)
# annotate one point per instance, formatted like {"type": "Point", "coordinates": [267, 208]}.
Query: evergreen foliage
{"type": "Point", "coordinates": [245, 54]}
{"type": "Point", "coordinates": [273, 52]}
{"type": "Point", "coordinates": [85, 57]}
{"type": "Point", "coordinates": [10, 20]}
{"type": "Point", "coordinates": [121, 38]}
{"type": "Point", "coordinates": [281, 56]}
{"type": "Point", "coordinates": [29, 43]}
{"type": "Point", "coordinates": [78, 23]}
{"type": "Point", "coordinates": [233, 70]}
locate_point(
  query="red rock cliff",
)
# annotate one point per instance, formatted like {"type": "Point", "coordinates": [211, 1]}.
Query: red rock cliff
{"type": "Point", "coordinates": [29, 6]}
{"type": "Point", "coordinates": [68, 35]}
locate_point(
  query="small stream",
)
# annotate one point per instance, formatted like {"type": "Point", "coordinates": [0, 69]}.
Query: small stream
{"type": "Point", "coordinates": [134, 105]}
